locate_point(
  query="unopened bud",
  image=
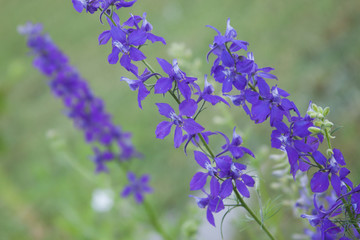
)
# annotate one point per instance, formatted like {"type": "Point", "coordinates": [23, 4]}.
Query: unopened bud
{"type": "Point", "coordinates": [314, 130]}
{"type": "Point", "coordinates": [320, 115]}
{"type": "Point", "coordinates": [326, 111]}
{"type": "Point", "coordinates": [318, 123]}
{"type": "Point", "coordinates": [329, 152]}
{"type": "Point", "coordinates": [315, 107]}
{"type": "Point", "coordinates": [328, 124]}
{"type": "Point", "coordinates": [312, 114]}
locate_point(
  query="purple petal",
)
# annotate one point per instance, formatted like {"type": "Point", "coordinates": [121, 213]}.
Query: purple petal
{"type": "Point", "coordinates": [336, 183]}
{"type": "Point", "coordinates": [226, 188]}
{"type": "Point", "coordinates": [139, 198]}
{"type": "Point", "coordinates": [126, 192]}
{"type": "Point", "coordinates": [188, 107]}
{"type": "Point", "coordinates": [210, 217]}
{"type": "Point", "coordinates": [192, 127]}
{"type": "Point", "coordinates": [165, 65]}
{"type": "Point", "coordinates": [136, 54]}
{"type": "Point", "coordinates": [104, 37]}
{"type": "Point", "coordinates": [242, 188]}
{"type": "Point", "coordinates": [319, 158]}
{"type": "Point", "coordinates": [249, 181]}
{"type": "Point", "coordinates": [201, 159]}
{"type": "Point", "coordinates": [319, 182]}
{"type": "Point", "coordinates": [214, 187]}
{"type": "Point", "coordinates": [163, 85]}
{"type": "Point", "coordinates": [137, 38]}
{"type": "Point", "coordinates": [339, 157]}
{"type": "Point", "coordinates": [178, 137]}
{"type": "Point", "coordinates": [163, 129]}
{"type": "Point", "coordinates": [198, 181]}
{"type": "Point", "coordinates": [165, 109]}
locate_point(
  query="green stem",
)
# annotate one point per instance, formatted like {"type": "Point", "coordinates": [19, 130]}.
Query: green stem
{"type": "Point", "coordinates": [247, 208]}
{"type": "Point", "coordinates": [154, 221]}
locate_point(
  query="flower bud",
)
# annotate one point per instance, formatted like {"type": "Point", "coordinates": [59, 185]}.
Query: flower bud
{"type": "Point", "coordinates": [326, 111]}
{"type": "Point", "coordinates": [329, 152]}
{"type": "Point", "coordinates": [314, 130]}
{"type": "Point", "coordinates": [315, 107]}
{"type": "Point", "coordinates": [312, 114]}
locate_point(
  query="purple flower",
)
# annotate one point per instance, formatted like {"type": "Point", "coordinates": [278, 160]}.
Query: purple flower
{"type": "Point", "coordinates": [164, 84]}
{"type": "Point", "coordinates": [233, 171]}
{"type": "Point", "coordinates": [200, 178]}
{"type": "Point", "coordinates": [133, 21]}
{"type": "Point", "coordinates": [213, 201]}
{"type": "Point", "coordinates": [137, 186]}
{"type": "Point", "coordinates": [219, 46]}
{"type": "Point", "coordinates": [187, 108]}
{"type": "Point", "coordinates": [86, 110]}
{"type": "Point", "coordinates": [91, 6]}
{"type": "Point", "coordinates": [143, 92]}
{"type": "Point", "coordinates": [320, 181]}
{"type": "Point", "coordinates": [234, 147]}
{"type": "Point", "coordinates": [320, 217]}
{"type": "Point", "coordinates": [105, 4]}
{"type": "Point", "coordinates": [124, 43]}
{"type": "Point", "coordinates": [207, 94]}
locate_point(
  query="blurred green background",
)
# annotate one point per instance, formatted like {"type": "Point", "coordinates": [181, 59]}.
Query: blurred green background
{"type": "Point", "coordinates": [46, 177]}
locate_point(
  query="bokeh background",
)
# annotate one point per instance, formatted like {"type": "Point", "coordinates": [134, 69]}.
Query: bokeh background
{"type": "Point", "coordinates": [46, 178]}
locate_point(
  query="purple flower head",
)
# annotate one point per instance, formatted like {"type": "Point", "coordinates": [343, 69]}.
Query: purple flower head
{"type": "Point", "coordinates": [288, 139]}
{"type": "Point", "coordinates": [124, 43]}
{"type": "Point", "coordinates": [199, 179]}
{"type": "Point", "coordinates": [234, 171]}
{"type": "Point", "coordinates": [187, 109]}
{"type": "Point", "coordinates": [137, 186]}
{"type": "Point", "coordinates": [229, 76]}
{"type": "Point", "coordinates": [100, 158]}
{"type": "Point", "coordinates": [240, 100]}
{"type": "Point", "coordinates": [86, 110]}
{"type": "Point", "coordinates": [213, 201]}
{"type": "Point", "coordinates": [320, 180]}
{"type": "Point", "coordinates": [207, 94]}
{"type": "Point", "coordinates": [164, 84]}
{"type": "Point", "coordinates": [143, 92]}
{"type": "Point", "coordinates": [219, 45]}
{"type": "Point", "coordinates": [273, 104]}
{"type": "Point", "coordinates": [90, 6]}
{"type": "Point", "coordinates": [105, 4]}
{"type": "Point", "coordinates": [134, 21]}
{"type": "Point", "coordinates": [234, 147]}
{"type": "Point", "coordinates": [320, 218]}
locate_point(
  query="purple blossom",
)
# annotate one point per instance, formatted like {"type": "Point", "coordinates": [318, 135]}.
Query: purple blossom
{"type": "Point", "coordinates": [82, 106]}
{"type": "Point", "coordinates": [123, 42]}
{"type": "Point", "coordinates": [234, 171]}
{"type": "Point", "coordinates": [207, 94]}
{"type": "Point", "coordinates": [213, 201]}
{"type": "Point", "coordinates": [143, 92]}
{"type": "Point", "coordinates": [234, 147]}
{"type": "Point", "coordinates": [137, 186]}
{"type": "Point", "coordinates": [200, 178]}
{"type": "Point", "coordinates": [90, 6]}
{"type": "Point", "coordinates": [164, 84]}
{"type": "Point", "coordinates": [187, 109]}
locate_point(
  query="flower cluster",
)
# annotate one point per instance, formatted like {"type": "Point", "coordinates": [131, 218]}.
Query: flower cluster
{"type": "Point", "coordinates": [246, 85]}
{"type": "Point", "coordinates": [299, 137]}
{"type": "Point", "coordinates": [86, 110]}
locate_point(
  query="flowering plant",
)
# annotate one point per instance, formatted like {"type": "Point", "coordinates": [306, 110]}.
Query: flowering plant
{"type": "Point", "coordinates": [333, 213]}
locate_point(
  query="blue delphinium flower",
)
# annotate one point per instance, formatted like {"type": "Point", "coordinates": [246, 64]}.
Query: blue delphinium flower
{"type": "Point", "coordinates": [186, 109]}
{"type": "Point", "coordinates": [213, 201]}
{"type": "Point", "coordinates": [137, 186]}
{"type": "Point", "coordinates": [200, 178]}
{"type": "Point", "coordinates": [234, 147]}
{"type": "Point", "coordinates": [143, 92]}
{"type": "Point", "coordinates": [164, 84]}
{"type": "Point", "coordinates": [90, 6]}
{"type": "Point", "coordinates": [82, 106]}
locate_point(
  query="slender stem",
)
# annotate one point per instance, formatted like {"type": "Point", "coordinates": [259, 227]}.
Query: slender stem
{"type": "Point", "coordinates": [154, 221]}
{"type": "Point", "coordinates": [351, 215]}
{"type": "Point", "coordinates": [247, 208]}
{"type": "Point", "coordinates": [206, 145]}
